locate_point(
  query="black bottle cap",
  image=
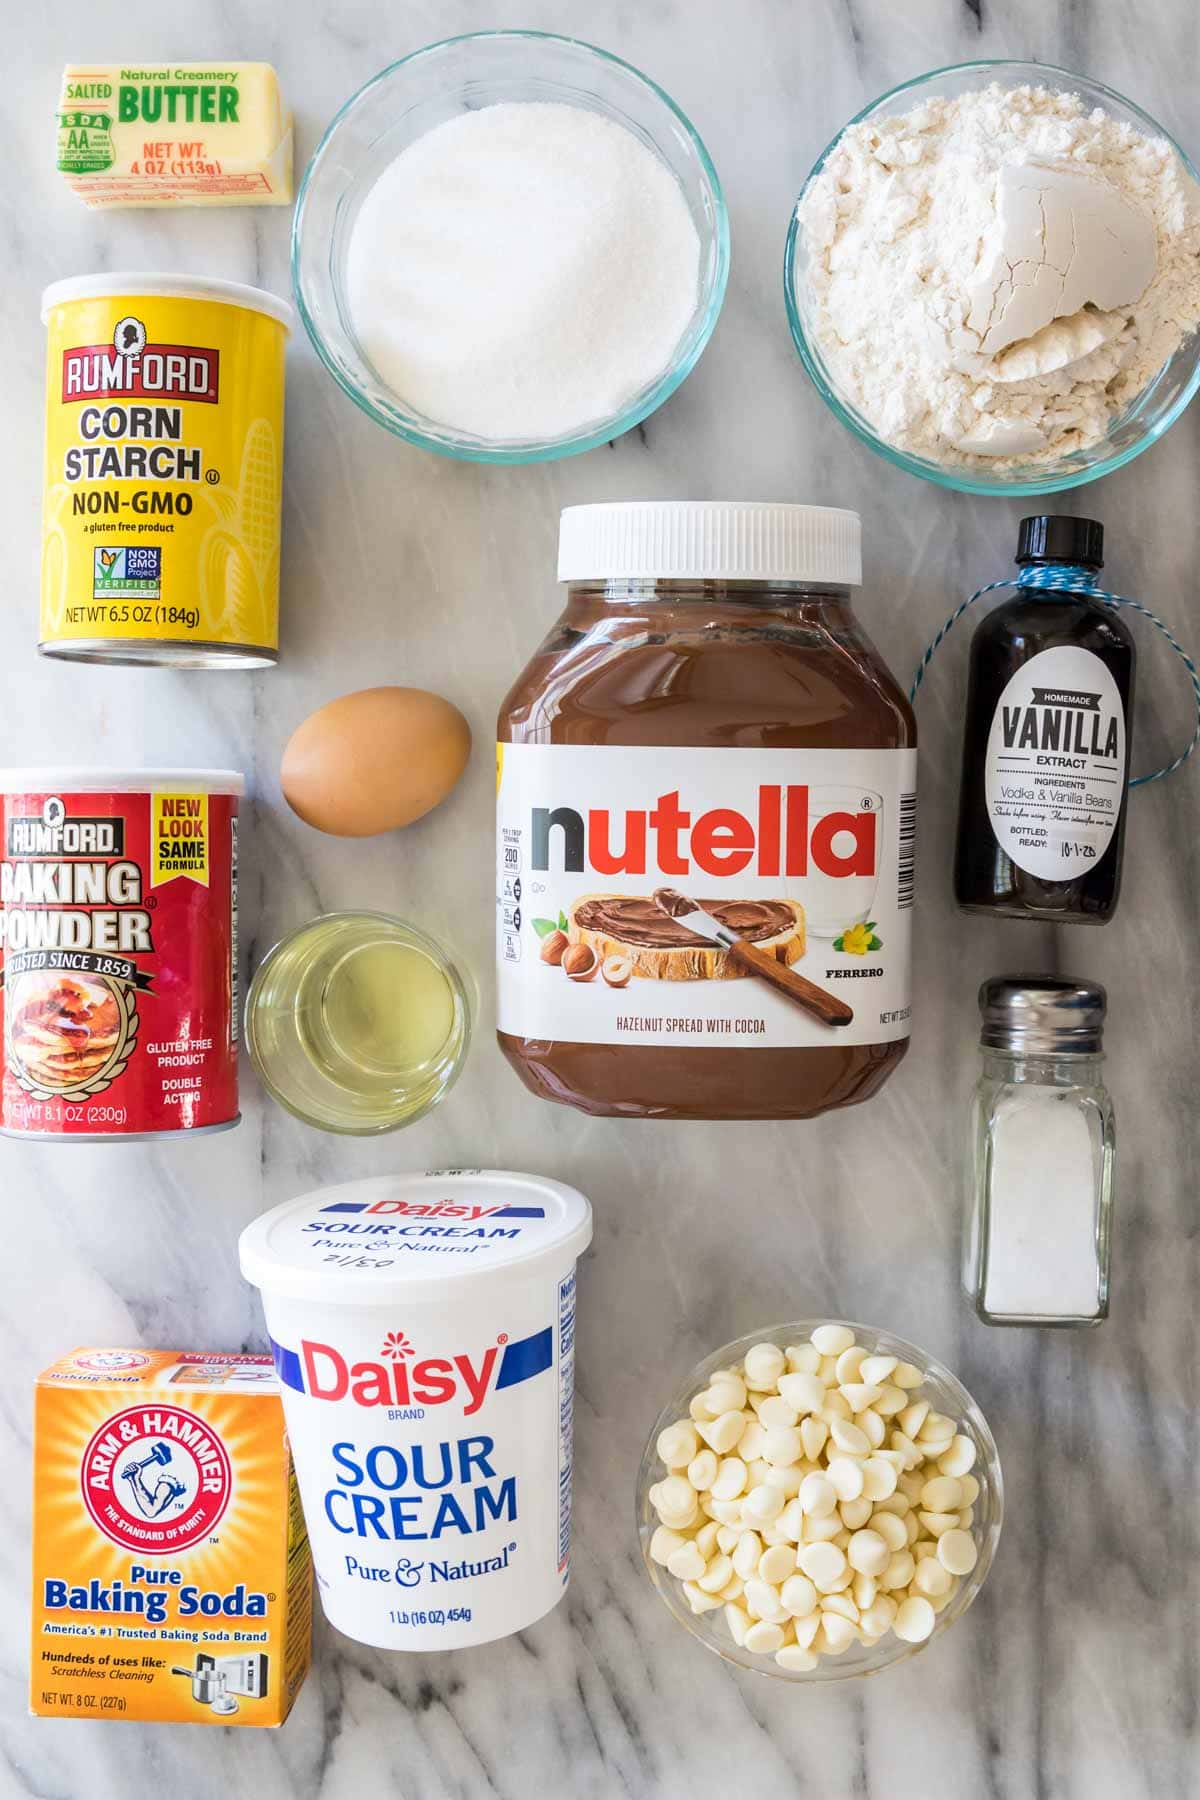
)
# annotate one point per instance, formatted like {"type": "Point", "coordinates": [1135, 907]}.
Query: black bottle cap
{"type": "Point", "coordinates": [1056, 537]}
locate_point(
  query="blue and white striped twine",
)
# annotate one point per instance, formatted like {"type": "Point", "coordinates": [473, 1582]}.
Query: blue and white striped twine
{"type": "Point", "coordinates": [1074, 578]}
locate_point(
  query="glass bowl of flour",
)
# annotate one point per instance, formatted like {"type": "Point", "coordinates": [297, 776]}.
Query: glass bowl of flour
{"type": "Point", "coordinates": [992, 276]}
{"type": "Point", "coordinates": [510, 247]}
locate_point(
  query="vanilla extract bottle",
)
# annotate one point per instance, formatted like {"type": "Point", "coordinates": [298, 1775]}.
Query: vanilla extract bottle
{"type": "Point", "coordinates": [1045, 768]}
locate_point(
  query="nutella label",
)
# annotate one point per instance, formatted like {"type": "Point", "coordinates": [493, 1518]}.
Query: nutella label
{"type": "Point", "coordinates": [624, 874]}
{"type": "Point", "coordinates": [1055, 777]}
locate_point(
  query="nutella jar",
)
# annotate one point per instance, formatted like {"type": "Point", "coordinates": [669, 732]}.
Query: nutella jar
{"type": "Point", "coordinates": [706, 813]}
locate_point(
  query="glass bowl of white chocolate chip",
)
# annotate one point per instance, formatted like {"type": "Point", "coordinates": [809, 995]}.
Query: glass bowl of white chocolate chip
{"type": "Point", "coordinates": [992, 277]}
{"type": "Point", "coordinates": [819, 1500]}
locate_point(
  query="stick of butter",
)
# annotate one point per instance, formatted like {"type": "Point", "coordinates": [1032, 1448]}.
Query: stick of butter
{"type": "Point", "coordinates": [175, 134]}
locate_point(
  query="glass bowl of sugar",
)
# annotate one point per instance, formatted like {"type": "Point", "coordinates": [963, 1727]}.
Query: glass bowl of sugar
{"type": "Point", "coordinates": [887, 1572]}
{"type": "Point", "coordinates": [907, 231]}
{"type": "Point", "coordinates": [510, 247]}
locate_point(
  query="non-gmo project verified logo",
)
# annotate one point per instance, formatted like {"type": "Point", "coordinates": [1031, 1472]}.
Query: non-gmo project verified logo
{"type": "Point", "coordinates": [126, 569]}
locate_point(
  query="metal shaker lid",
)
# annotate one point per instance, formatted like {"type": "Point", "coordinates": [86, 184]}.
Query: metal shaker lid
{"type": "Point", "coordinates": [1043, 1015]}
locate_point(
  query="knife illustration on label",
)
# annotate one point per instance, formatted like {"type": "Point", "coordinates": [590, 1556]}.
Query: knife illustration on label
{"type": "Point", "coordinates": [814, 999]}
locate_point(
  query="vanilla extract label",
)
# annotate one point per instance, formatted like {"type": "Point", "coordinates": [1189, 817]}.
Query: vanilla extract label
{"type": "Point", "coordinates": [1056, 763]}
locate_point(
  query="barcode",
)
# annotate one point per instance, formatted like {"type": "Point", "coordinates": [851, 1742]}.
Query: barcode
{"type": "Point", "coordinates": [906, 878]}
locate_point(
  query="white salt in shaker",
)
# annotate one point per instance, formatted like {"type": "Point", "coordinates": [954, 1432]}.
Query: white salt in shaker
{"type": "Point", "coordinates": [1039, 1201]}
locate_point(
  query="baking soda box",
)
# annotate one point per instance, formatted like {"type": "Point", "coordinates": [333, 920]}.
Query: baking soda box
{"type": "Point", "coordinates": [171, 1570]}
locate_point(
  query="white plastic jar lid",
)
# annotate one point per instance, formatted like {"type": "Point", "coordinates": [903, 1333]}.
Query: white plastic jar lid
{"type": "Point", "coordinates": [120, 781]}
{"type": "Point", "coordinates": [710, 540]}
{"type": "Point", "coordinates": [396, 1237]}
{"type": "Point", "coordinates": [137, 285]}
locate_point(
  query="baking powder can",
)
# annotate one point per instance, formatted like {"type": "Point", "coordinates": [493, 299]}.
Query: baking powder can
{"type": "Point", "coordinates": [118, 952]}
{"type": "Point", "coordinates": [164, 471]}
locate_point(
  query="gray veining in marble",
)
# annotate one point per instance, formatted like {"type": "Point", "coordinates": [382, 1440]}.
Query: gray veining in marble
{"type": "Point", "coordinates": [1076, 1675]}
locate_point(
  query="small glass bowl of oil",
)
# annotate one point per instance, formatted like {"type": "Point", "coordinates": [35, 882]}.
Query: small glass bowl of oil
{"type": "Point", "coordinates": [358, 1023]}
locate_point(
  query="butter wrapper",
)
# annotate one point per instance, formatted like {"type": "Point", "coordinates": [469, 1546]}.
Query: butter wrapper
{"type": "Point", "coordinates": [175, 134]}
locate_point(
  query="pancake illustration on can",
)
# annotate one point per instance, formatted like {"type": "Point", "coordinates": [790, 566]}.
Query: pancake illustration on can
{"type": "Point", "coordinates": [68, 1035]}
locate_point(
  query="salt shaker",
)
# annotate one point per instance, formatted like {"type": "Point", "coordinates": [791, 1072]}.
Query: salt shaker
{"type": "Point", "coordinates": [1036, 1246]}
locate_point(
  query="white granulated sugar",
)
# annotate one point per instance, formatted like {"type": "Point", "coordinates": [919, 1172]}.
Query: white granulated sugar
{"type": "Point", "coordinates": [992, 279]}
{"type": "Point", "coordinates": [522, 271]}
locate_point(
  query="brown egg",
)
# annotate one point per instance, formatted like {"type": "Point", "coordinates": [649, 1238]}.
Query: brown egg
{"type": "Point", "coordinates": [374, 760]}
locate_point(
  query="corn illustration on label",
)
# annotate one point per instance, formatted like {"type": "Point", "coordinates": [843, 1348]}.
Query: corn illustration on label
{"type": "Point", "coordinates": [164, 474]}
{"type": "Point", "coordinates": [172, 1578]}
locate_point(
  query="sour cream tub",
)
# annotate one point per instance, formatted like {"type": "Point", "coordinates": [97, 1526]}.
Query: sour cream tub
{"type": "Point", "coordinates": [423, 1329]}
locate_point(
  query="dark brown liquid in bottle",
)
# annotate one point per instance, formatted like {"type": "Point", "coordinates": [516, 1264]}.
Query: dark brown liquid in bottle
{"type": "Point", "coordinates": [986, 879]}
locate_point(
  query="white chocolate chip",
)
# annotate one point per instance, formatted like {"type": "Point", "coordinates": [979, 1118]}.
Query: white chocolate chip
{"type": "Point", "coordinates": [855, 1513]}
{"type": "Point", "coordinates": [836, 1634]}
{"type": "Point", "coordinates": [868, 1552]}
{"type": "Point", "coordinates": [774, 1410]}
{"type": "Point", "coordinates": [914, 1621]}
{"type": "Point", "coordinates": [824, 1564]}
{"type": "Point", "coordinates": [698, 1600]}
{"type": "Point", "coordinates": [763, 1639]}
{"type": "Point", "coordinates": [799, 1596]}
{"type": "Point", "coordinates": [942, 1494]}
{"type": "Point", "coordinates": [729, 1479]}
{"type": "Point", "coordinates": [831, 1340]}
{"type": "Point", "coordinates": [763, 1366]}
{"type": "Point", "coordinates": [776, 1564]}
{"type": "Point", "coordinates": [849, 1438]}
{"type": "Point", "coordinates": [716, 1577]}
{"type": "Point", "coordinates": [848, 1364]}
{"type": "Point", "coordinates": [956, 1552]}
{"type": "Point", "coordinates": [932, 1577]}
{"type": "Point", "coordinates": [876, 1369]}
{"type": "Point", "coordinates": [802, 1359]}
{"type": "Point", "coordinates": [762, 1505]}
{"type": "Point", "coordinates": [686, 1563]}
{"type": "Point", "coordinates": [725, 1432]}
{"type": "Point", "coordinates": [890, 1528]}
{"type": "Point", "coordinates": [677, 1444]}
{"type": "Point", "coordinates": [763, 1602]}
{"type": "Point", "coordinates": [795, 1659]}
{"type": "Point", "coordinates": [913, 1417]}
{"type": "Point", "coordinates": [814, 1434]}
{"type": "Point", "coordinates": [746, 1554]}
{"type": "Point", "coordinates": [845, 1476]}
{"type": "Point", "coordinates": [818, 1496]}
{"type": "Point", "coordinates": [804, 1391]}
{"type": "Point", "coordinates": [879, 1478]}
{"type": "Point", "coordinates": [702, 1470]}
{"type": "Point", "coordinates": [959, 1459]}
{"type": "Point", "coordinates": [664, 1542]}
{"type": "Point", "coordinates": [737, 1619]}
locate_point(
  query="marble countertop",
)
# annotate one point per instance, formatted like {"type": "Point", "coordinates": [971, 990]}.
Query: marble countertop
{"type": "Point", "coordinates": [1075, 1676]}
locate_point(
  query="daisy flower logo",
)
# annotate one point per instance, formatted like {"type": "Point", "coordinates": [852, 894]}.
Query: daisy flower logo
{"type": "Point", "coordinates": [396, 1346]}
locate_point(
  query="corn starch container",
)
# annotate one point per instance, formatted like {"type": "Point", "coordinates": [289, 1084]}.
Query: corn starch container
{"type": "Point", "coordinates": [164, 471]}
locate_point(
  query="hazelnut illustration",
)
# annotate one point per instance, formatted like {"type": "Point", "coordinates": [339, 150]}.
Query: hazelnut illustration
{"type": "Point", "coordinates": [580, 962]}
{"type": "Point", "coordinates": [553, 945]}
{"type": "Point", "coordinates": [617, 970]}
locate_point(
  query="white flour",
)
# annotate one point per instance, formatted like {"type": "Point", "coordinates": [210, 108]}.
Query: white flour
{"type": "Point", "coordinates": [907, 226]}
{"type": "Point", "coordinates": [523, 270]}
